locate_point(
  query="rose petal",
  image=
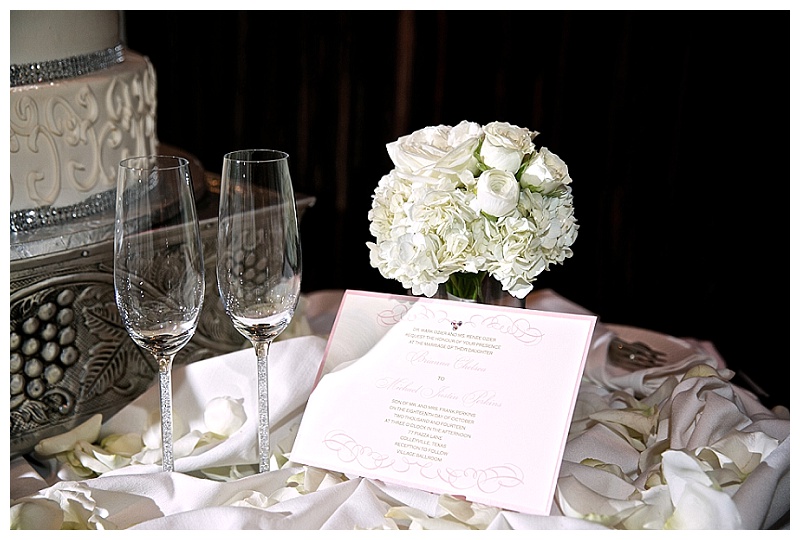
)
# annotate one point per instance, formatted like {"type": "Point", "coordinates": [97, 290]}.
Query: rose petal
{"type": "Point", "coordinates": [87, 431]}
{"type": "Point", "coordinates": [698, 501]}
{"type": "Point", "coordinates": [224, 415]}
{"type": "Point", "coordinates": [36, 513]}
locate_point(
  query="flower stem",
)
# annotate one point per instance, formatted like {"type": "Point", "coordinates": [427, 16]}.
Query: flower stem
{"type": "Point", "coordinates": [465, 285]}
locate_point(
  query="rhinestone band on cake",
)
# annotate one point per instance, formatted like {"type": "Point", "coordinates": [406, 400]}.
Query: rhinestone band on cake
{"type": "Point", "coordinates": [74, 66]}
{"type": "Point", "coordinates": [28, 220]}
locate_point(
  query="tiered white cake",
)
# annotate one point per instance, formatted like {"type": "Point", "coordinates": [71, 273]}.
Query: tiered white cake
{"type": "Point", "coordinates": [80, 103]}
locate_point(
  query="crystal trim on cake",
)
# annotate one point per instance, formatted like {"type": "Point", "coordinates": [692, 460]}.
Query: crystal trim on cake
{"type": "Point", "coordinates": [47, 216]}
{"type": "Point", "coordinates": [65, 68]}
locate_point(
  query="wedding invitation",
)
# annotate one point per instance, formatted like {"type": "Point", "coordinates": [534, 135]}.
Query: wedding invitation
{"type": "Point", "coordinates": [448, 397]}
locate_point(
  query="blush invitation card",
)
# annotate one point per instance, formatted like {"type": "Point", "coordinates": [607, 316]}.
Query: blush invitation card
{"type": "Point", "coordinates": [448, 397]}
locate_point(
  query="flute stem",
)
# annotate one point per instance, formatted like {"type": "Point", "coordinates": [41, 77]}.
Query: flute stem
{"type": "Point", "coordinates": [262, 353]}
{"type": "Point", "coordinates": [165, 397]}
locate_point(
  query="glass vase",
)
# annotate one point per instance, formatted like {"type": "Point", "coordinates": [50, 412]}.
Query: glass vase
{"type": "Point", "coordinates": [491, 293]}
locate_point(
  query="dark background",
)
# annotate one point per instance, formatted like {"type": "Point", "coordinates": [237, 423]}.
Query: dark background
{"type": "Point", "coordinates": [674, 125]}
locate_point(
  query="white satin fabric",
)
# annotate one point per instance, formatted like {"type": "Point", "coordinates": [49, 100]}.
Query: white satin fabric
{"type": "Point", "coordinates": [648, 449]}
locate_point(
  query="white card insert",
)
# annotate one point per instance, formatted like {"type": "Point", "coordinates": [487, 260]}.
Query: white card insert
{"type": "Point", "coordinates": [448, 397]}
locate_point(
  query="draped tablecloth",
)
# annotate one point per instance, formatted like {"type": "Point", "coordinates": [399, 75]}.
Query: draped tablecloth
{"type": "Point", "coordinates": [671, 447]}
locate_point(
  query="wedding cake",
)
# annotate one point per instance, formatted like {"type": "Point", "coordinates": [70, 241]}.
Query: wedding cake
{"type": "Point", "coordinates": [80, 103]}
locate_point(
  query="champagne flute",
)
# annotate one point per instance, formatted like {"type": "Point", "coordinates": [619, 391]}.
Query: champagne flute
{"type": "Point", "coordinates": [258, 259]}
{"type": "Point", "coordinates": [159, 276]}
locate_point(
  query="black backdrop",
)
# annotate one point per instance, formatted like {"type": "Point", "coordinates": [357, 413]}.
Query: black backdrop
{"type": "Point", "coordinates": [674, 125]}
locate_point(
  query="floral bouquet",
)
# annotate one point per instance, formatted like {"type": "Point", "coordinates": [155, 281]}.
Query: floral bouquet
{"type": "Point", "coordinates": [469, 201]}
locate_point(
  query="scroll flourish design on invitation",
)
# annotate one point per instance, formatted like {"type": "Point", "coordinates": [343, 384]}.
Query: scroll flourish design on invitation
{"type": "Point", "coordinates": [390, 317]}
{"type": "Point", "coordinates": [403, 311]}
{"type": "Point", "coordinates": [348, 450]}
{"type": "Point", "coordinates": [519, 328]}
{"type": "Point", "coordinates": [488, 480]}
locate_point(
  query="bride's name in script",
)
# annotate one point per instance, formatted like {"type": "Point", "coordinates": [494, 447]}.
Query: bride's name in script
{"type": "Point", "coordinates": [468, 364]}
{"type": "Point", "coordinates": [421, 357]}
{"type": "Point", "coordinates": [464, 363]}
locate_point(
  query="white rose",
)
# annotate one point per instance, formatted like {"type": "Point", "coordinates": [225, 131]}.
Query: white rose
{"type": "Point", "coordinates": [505, 146]}
{"type": "Point", "coordinates": [464, 139]}
{"type": "Point", "coordinates": [421, 149]}
{"type": "Point", "coordinates": [460, 159]}
{"type": "Point", "coordinates": [224, 416]}
{"type": "Point", "coordinates": [498, 192]}
{"type": "Point", "coordinates": [464, 131]}
{"type": "Point", "coordinates": [545, 172]}
{"type": "Point", "coordinates": [437, 150]}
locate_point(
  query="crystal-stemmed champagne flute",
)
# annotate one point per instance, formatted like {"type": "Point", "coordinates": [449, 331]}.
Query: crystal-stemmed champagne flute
{"type": "Point", "coordinates": [159, 276]}
{"type": "Point", "coordinates": [258, 259]}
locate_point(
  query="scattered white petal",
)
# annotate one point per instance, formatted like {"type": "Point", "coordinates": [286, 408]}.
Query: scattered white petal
{"type": "Point", "coordinates": [87, 431]}
{"type": "Point", "coordinates": [224, 415]}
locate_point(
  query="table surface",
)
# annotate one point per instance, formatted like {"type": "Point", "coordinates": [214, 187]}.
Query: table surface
{"type": "Point", "coordinates": [679, 446]}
